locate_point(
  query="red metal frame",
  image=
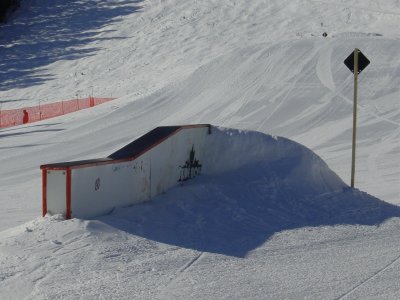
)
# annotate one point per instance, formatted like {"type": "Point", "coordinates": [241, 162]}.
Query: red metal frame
{"type": "Point", "coordinates": [68, 212]}
{"type": "Point", "coordinates": [44, 192]}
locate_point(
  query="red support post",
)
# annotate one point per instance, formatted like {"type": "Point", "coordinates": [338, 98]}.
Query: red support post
{"type": "Point", "coordinates": [68, 213]}
{"type": "Point", "coordinates": [44, 192]}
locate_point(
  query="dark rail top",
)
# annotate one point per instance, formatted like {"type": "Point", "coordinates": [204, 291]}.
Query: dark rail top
{"type": "Point", "coordinates": [130, 151]}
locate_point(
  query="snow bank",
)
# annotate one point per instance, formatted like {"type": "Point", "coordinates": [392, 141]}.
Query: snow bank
{"type": "Point", "coordinates": [297, 166]}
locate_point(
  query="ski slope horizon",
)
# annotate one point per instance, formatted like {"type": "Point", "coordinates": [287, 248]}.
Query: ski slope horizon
{"type": "Point", "coordinates": [256, 66]}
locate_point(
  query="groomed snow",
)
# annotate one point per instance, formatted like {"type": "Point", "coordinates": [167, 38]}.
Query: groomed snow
{"type": "Point", "coordinates": [268, 220]}
{"type": "Point", "coordinates": [269, 227]}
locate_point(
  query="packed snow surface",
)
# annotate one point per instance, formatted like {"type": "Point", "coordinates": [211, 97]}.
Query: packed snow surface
{"type": "Point", "coordinates": [278, 223]}
{"type": "Point", "coordinates": [267, 219]}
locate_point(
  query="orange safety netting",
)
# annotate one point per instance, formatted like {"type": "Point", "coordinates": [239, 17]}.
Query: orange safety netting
{"type": "Point", "coordinates": [25, 115]}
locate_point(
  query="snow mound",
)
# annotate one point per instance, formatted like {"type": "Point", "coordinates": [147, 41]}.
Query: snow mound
{"type": "Point", "coordinates": [295, 165]}
{"type": "Point", "coordinates": [254, 186]}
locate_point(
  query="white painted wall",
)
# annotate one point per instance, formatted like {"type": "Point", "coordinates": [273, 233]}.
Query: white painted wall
{"type": "Point", "coordinates": [119, 184]}
{"type": "Point", "coordinates": [56, 191]}
{"type": "Point", "coordinates": [132, 182]}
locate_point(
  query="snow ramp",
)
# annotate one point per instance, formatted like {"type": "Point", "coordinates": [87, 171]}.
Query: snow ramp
{"type": "Point", "coordinates": [252, 186]}
{"type": "Point", "coordinates": [275, 181]}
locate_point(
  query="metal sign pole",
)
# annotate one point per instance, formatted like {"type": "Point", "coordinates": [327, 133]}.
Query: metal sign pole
{"type": "Point", "coordinates": [353, 150]}
{"type": "Point", "coordinates": [356, 62]}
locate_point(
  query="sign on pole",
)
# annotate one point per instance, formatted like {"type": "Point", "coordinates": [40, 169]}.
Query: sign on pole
{"type": "Point", "coordinates": [356, 62]}
{"type": "Point", "coordinates": [362, 61]}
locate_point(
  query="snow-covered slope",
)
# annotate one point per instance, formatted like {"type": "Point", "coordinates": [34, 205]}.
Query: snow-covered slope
{"type": "Point", "coordinates": [258, 65]}
{"type": "Point", "coordinates": [267, 211]}
{"type": "Point", "coordinates": [119, 257]}
{"type": "Point", "coordinates": [262, 65]}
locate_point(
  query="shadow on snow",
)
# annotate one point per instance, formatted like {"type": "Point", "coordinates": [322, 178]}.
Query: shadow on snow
{"type": "Point", "coordinates": [234, 213]}
{"type": "Point", "coordinates": [44, 34]}
{"type": "Point", "coordinates": [24, 133]}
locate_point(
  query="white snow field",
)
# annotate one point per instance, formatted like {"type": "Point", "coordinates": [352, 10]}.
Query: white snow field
{"type": "Point", "coordinates": [270, 219]}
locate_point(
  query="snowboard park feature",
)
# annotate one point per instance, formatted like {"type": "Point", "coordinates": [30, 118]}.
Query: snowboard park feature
{"type": "Point", "coordinates": [139, 171]}
{"type": "Point", "coordinates": [267, 218]}
{"type": "Point", "coordinates": [169, 155]}
{"type": "Point", "coordinates": [259, 199]}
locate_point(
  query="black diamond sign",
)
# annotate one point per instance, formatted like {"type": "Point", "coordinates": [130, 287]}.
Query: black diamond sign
{"type": "Point", "coordinates": [363, 62]}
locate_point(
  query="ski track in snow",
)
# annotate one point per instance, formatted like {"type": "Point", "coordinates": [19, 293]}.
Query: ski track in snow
{"type": "Point", "coordinates": [358, 8]}
{"type": "Point", "coordinates": [287, 93]}
{"type": "Point", "coordinates": [324, 67]}
{"type": "Point", "coordinates": [167, 290]}
{"type": "Point", "coordinates": [364, 282]}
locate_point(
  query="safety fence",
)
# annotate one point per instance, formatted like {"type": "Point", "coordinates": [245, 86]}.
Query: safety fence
{"type": "Point", "coordinates": [25, 115]}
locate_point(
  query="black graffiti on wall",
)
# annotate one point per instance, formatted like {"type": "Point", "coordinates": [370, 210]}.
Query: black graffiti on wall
{"type": "Point", "coordinates": [97, 184]}
{"type": "Point", "coordinates": [191, 168]}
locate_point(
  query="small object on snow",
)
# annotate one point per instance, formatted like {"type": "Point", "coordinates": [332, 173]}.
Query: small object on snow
{"type": "Point", "coordinates": [25, 118]}
{"type": "Point", "coordinates": [324, 34]}
{"type": "Point", "coordinates": [56, 242]}
{"type": "Point", "coordinates": [28, 229]}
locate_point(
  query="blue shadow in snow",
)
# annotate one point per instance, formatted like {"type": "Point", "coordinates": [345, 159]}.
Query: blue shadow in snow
{"type": "Point", "coordinates": [28, 132]}
{"type": "Point", "coordinates": [43, 33]}
{"type": "Point", "coordinates": [234, 213]}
